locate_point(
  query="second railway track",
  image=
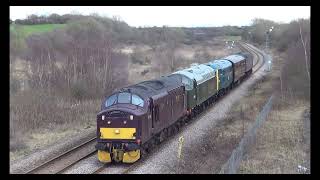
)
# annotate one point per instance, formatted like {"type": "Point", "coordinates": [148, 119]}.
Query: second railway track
{"type": "Point", "coordinates": [59, 163]}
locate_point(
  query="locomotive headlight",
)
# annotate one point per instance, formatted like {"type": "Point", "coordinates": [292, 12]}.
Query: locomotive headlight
{"type": "Point", "coordinates": [117, 131]}
{"type": "Point", "coordinates": [102, 117]}
{"type": "Point", "coordinates": [124, 122]}
{"type": "Point", "coordinates": [109, 122]}
{"type": "Point", "coordinates": [131, 117]}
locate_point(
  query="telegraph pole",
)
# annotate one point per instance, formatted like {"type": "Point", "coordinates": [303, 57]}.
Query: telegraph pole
{"type": "Point", "coordinates": [267, 47]}
{"type": "Point", "coordinates": [267, 37]}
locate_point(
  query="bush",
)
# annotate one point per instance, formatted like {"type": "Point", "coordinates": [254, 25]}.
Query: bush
{"type": "Point", "coordinates": [14, 85]}
{"type": "Point", "coordinates": [17, 138]}
{"type": "Point", "coordinates": [17, 143]}
{"type": "Point", "coordinates": [79, 90]}
{"type": "Point", "coordinates": [32, 109]}
{"type": "Point", "coordinates": [294, 74]}
{"type": "Point", "coordinates": [138, 58]}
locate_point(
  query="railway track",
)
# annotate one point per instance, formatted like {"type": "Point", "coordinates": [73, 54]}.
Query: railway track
{"type": "Point", "coordinates": [61, 162]}
{"type": "Point", "coordinates": [66, 160]}
{"type": "Point", "coordinates": [119, 168]}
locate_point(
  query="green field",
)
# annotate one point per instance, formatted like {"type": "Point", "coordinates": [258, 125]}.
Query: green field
{"type": "Point", "coordinates": [26, 30]}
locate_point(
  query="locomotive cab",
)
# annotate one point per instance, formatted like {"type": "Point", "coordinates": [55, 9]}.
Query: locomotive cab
{"type": "Point", "coordinates": [118, 128]}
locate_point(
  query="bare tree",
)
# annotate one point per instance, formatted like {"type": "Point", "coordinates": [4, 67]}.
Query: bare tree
{"type": "Point", "coordinates": [305, 51]}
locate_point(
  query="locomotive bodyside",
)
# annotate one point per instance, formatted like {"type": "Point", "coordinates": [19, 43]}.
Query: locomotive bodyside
{"type": "Point", "coordinates": [224, 72]}
{"type": "Point", "coordinates": [249, 61]}
{"type": "Point", "coordinates": [204, 82]}
{"type": "Point", "coordinates": [238, 66]}
{"type": "Point", "coordinates": [190, 88]}
{"type": "Point", "coordinates": [167, 105]}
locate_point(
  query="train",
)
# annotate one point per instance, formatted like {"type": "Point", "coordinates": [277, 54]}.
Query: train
{"type": "Point", "coordinates": [134, 119]}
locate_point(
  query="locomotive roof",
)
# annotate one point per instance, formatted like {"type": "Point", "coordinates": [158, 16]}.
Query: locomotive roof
{"type": "Point", "coordinates": [219, 64]}
{"type": "Point", "coordinates": [150, 88]}
{"type": "Point", "coordinates": [200, 73]}
{"type": "Point", "coordinates": [234, 58]}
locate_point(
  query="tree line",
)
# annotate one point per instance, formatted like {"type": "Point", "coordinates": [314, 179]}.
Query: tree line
{"type": "Point", "coordinates": [42, 19]}
{"type": "Point", "coordinates": [293, 41]}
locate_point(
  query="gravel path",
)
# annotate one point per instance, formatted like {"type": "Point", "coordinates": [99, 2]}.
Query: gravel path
{"type": "Point", "coordinates": [165, 160]}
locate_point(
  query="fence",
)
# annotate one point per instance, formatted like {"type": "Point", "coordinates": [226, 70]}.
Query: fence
{"type": "Point", "coordinates": [232, 165]}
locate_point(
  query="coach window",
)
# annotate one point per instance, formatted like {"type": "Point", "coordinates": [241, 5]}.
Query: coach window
{"type": "Point", "coordinates": [124, 98]}
{"type": "Point", "coordinates": [136, 100]}
{"type": "Point", "coordinates": [111, 100]}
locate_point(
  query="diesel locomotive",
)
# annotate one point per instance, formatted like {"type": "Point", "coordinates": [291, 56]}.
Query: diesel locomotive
{"type": "Point", "coordinates": [135, 118]}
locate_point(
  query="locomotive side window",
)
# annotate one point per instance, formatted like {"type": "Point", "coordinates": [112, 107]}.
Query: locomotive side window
{"type": "Point", "coordinates": [111, 100]}
{"type": "Point", "coordinates": [124, 98]}
{"type": "Point", "coordinates": [136, 100]}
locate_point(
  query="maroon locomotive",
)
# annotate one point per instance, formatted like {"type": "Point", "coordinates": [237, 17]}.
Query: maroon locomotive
{"type": "Point", "coordinates": [135, 118]}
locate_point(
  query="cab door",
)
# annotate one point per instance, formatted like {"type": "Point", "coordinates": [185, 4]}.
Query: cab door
{"type": "Point", "coordinates": [154, 116]}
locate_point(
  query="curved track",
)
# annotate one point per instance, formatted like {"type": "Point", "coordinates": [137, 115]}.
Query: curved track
{"type": "Point", "coordinates": [64, 161]}
{"type": "Point", "coordinates": [124, 169]}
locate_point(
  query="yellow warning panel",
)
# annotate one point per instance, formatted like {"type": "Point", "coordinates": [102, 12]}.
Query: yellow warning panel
{"type": "Point", "coordinates": [117, 133]}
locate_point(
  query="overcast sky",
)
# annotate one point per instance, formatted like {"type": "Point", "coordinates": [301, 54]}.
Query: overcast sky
{"type": "Point", "coordinates": [187, 16]}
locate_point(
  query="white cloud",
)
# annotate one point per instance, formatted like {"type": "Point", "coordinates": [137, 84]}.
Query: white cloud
{"type": "Point", "coordinates": [175, 15]}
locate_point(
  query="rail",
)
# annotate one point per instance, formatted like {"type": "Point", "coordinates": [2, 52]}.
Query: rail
{"type": "Point", "coordinates": [50, 166]}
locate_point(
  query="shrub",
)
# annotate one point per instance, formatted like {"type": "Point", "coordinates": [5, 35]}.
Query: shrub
{"type": "Point", "coordinates": [136, 60]}
{"type": "Point", "coordinates": [294, 75]}
{"type": "Point", "coordinates": [17, 143]}
{"type": "Point", "coordinates": [14, 85]}
{"type": "Point", "coordinates": [79, 90]}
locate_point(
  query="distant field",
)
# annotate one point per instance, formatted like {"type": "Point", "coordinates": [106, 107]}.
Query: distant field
{"type": "Point", "coordinates": [27, 30]}
{"type": "Point", "coordinates": [232, 38]}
